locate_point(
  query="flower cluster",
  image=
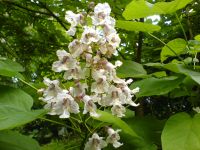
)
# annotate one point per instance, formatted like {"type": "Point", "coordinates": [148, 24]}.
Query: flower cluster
{"type": "Point", "coordinates": [86, 64]}
{"type": "Point", "coordinates": [97, 143]}
{"type": "Point", "coordinates": [95, 81]}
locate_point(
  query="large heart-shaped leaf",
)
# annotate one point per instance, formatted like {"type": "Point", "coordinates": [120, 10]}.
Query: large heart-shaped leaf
{"type": "Point", "coordinates": [180, 68]}
{"type": "Point", "coordinates": [15, 108]}
{"type": "Point", "coordinates": [177, 47]}
{"type": "Point", "coordinates": [131, 69]}
{"type": "Point", "coordinates": [137, 26]}
{"type": "Point", "coordinates": [10, 140]}
{"type": "Point", "coordinates": [141, 8]}
{"type": "Point", "coordinates": [148, 128]}
{"type": "Point", "coordinates": [10, 68]}
{"type": "Point", "coordinates": [154, 86]}
{"type": "Point", "coordinates": [197, 37]}
{"type": "Point", "coordinates": [181, 132]}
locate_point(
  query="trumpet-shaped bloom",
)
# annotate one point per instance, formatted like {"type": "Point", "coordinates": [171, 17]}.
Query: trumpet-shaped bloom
{"type": "Point", "coordinates": [113, 39]}
{"type": "Point", "coordinates": [76, 48]}
{"type": "Point", "coordinates": [74, 20]}
{"type": "Point", "coordinates": [76, 73]}
{"type": "Point", "coordinates": [65, 62]}
{"type": "Point", "coordinates": [102, 10]}
{"type": "Point", "coordinates": [118, 110]}
{"type": "Point", "coordinates": [100, 85]}
{"type": "Point", "coordinates": [89, 106]}
{"type": "Point", "coordinates": [68, 105]}
{"type": "Point", "coordinates": [113, 138]}
{"type": "Point", "coordinates": [89, 35]}
{"type": "Point", "coordinates": [95, 143]}
{"type": "Point", "coordinates": [51, 92]}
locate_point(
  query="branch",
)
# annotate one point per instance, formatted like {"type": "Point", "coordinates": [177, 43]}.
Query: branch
{"type": "Point", "coordinates": [53, 15]}
{"type": "Point", "coordinates": [139, 47]}
{"type": "Point", "coordinates": [50, 13]}
{"type": "Point", "coordinates": [25, 8]}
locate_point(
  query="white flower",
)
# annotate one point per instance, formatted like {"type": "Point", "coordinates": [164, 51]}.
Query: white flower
{"type": "Point", "coordinates": [107, 49]}
{"type": "Point", "coordinates": [129, 81]}
{"type": "Point", "coordinates": [72, 31]}
{"type": "Point", "coordinates": [196, 109]}
{"type": "Point", "coordinates": [95, 143]}
{"type": "Point", "coordinates": [89, 35]}
{"type": "Point", "coordinates": [118, 110]}
{"type": "Point", "coordinates": [100, 85]}
{"type": "Point", "coordinates": [89, 106]}
{"type": "Point", "coordinates": [76, 73]}
{"type": "Point", "coordinates": [104, 21]}
{"type": "Point", "coordinates": [109, 21]}
{"type": "Point", "coordinates": [74, 20]}
{"type": "Point", "coordinates": [118, 63]}
{"type": "Point", "coordinates": [69, 105]}
{"type": "Point", "coordinates": [78, 90]}
{"type": "Point", "coordinates": [108, 26]}
{"type": "Point", "coordinates": [63, 106]}
{"type": "Point", "coordinates": [113, 39]}
{"type": "Point", "coordinates": [52, 90]}
{"type": "Point", "coordinates": [113, 138]}
{"type": "Point", "coordinates": [136, 90]}
{"type": "Point", "coordinates": [88, 58]}
{"type": "Point", "coordinates": [128, 93]}
{"type": "Point", "coordinates": [75, 48]}
{"type": "Point", "coordinates": [115, 96]}
{"type": "Point", "coordinates": [102, 10]}
{"type": "Point", "coordinates": [65, 62]}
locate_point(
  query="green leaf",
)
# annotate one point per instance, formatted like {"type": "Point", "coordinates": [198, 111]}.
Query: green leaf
{"type": "Point", "coordinates": [10, 140]}
{"type": "Point", "coordinates": [137, 9]}
{"type": "Point", "coordinates": [179, 92]}
{"type": "Point", "coordinates": [109, 118]}
{"type": "Point", "coordinates": [149, 128]}
{"type": "Point", "coordinates": [71, 143]}
{"type": "Point", "coordinates": [15, 98]}
{"type": "Point", "coordinates": [12, 65]}
{"type": "Point", "coordinates": [181, 132]}
{"type": "Point", "coordinates": [15, 108]}
{"type": "Point", "coordinates": [137, 26]}
{"type": "Point", "coordinates": [141, 8]}
{"type": "Point", "coordinates": [177, 45]}
{"type": "Point", "coordinates": [159, 74]}
{"type": "Point", "coordinates": [197, 37]}
{"type": "Point", "coordinates": [153, 86]}
{"type": "Point", "coordinates": [10, 68]}
{"type": "Point", "coordinates": [180, 68]}
{"type": "Point", "coordinates": [131, 69]}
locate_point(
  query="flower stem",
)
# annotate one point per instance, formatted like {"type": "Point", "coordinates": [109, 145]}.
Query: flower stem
{"type": "Point", "coordinates": [167, 47]}
{"type": "Point", "coordinates": [28, 84]}
{"type": "Point", "coordinates": [52, 121]}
